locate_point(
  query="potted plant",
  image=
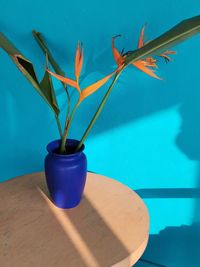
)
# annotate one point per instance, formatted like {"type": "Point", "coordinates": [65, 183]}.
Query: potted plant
{"type": "Point", "coordinates": [66, 163]}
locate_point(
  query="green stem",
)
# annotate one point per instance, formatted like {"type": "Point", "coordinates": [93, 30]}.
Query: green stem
{"type": "Point", "coordinates": [59, 126]}
{"type": "Point", "coordinates": [96, 115]}
{"type": "Point", "coordinates": [67, 126]}
{"type": "Point", "coordinates": [68, 101]}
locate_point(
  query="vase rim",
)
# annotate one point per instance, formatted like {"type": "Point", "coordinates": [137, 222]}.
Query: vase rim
{"type": "Point", "coordinates": [53, 145]}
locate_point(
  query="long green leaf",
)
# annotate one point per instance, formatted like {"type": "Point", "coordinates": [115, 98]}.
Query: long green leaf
{"type": "Point", "coordinates": [174, 36]}
{"type": "Point", "coordinates": [47, 88]}
{"type": "Point", "coordinates": [26, 67]}
{"type": "Point", "coordinates": [39, 39]}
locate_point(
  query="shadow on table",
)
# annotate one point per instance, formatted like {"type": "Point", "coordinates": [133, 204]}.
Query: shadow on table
{"type": "Point", "coordinates": [172, 247]}
{"type": "Point", "coordinates": [91, 244]}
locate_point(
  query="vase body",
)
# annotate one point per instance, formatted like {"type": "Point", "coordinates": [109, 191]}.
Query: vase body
{"type": "Point", "coordinates": [65, 174]}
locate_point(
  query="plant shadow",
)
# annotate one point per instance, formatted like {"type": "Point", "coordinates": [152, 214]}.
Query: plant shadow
{"type": "Point", "coordinates": [179, 246]}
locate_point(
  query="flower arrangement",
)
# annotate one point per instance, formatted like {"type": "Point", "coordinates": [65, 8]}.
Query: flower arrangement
{"type": "Point", "coordinates": [66, 163]}
{"type": "Point", "coordinates": [143, 58]}
{"type": "Point", "coordinates": [146, 65]}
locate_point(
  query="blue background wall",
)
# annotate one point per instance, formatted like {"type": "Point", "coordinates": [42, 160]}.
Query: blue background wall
{"type": "Point", "coordinates": [148, 134]}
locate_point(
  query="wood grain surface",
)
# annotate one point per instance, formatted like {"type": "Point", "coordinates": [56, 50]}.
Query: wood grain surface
{"type": "Point", "coordinates": [108, 229]}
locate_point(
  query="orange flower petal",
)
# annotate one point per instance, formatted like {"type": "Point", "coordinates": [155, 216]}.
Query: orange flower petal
{"type": "Point", "coordinates": [141, 39]}
{"type": "Point", "coordinates": [150, 62]}
{"type": "Point", "coordinates": [166, 53]}
{"type": "Point", "coordinates": [95, 86]}
{"type": "Point", "coordinates": [78, 61]}
{"type": "Point", "coordinates": [118, 57]}
{"type": "Point", "coordinates": [147, 42]}
{"type": "Point", "coordinates": [169, 52]}
{"type": "Point", "coordinates": [65, 80]}
{"type": "Point", "coordinates": [167, 58]}
{"type": "Point", "coordinates": [140, 65]}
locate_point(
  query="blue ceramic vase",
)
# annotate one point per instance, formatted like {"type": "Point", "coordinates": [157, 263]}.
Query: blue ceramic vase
{"type": "Point", "coordinates": [65, 174]}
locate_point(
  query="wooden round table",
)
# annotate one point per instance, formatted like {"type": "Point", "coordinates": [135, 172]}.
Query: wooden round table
{"type": "Point", "coordinates": [109, 228]}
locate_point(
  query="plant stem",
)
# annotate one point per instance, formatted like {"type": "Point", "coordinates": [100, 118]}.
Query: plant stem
{"type": "Point", "coordinates": [96, 115]}
{"type": "Point", "coordinates": [68, 100]}
{"type": "Point", "coordinates": [59, 126]}
{"type": "Point", "coordinates": [63, 139]}
{"type": "Point", "coordinates": [67, 126]}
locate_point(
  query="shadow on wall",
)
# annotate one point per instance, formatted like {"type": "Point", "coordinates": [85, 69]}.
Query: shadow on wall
{"type": "Point", "coordinates": [134, 97]}
{"type": "Point", "coordinates": [169, 193]}
{"type": "Point", "coordinates": [188, 140]}
{"type": "Point", "coordinates": [174, 247]}
{"type": "Point", "coordinates": [131, 99]}
{"type": "Point", "coordinates": [179, 246]}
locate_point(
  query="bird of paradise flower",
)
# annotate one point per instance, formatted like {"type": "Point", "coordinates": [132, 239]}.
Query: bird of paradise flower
{"type": "Point", "coordinates": [147, 65]}
{"type": "Point", "coordinates": [77, 71]}
{"type": "Point", "coordinates": [145, 58]}
{"type": "Point", "coordinates": [84, 93]}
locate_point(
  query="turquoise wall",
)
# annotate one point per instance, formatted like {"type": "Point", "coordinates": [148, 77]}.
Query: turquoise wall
{"type": "Point", "coordinates": [148, 134]}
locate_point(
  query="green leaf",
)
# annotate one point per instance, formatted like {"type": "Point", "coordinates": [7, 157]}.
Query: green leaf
{"type": "Point", "coordinates": [174, 36]}
{"type": "Point", "coordinates": [47, 88]}
{"type": "Point", "coordinates": [44, 88]}
{"type": "Point", "coordinates": [39, 39]}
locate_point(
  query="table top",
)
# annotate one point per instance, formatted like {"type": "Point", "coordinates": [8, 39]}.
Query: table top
{"type": "Point", "coordinates": [109, 228]}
